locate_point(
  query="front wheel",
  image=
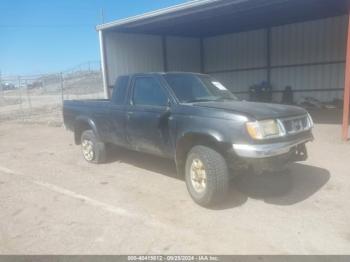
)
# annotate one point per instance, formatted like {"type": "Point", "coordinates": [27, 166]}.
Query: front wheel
{"type": "Point", "coordinates": [207, 175]}
{"type": "Point", "coordinates": [93, 150]}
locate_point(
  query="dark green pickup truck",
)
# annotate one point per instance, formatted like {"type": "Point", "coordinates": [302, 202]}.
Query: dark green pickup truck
{"type": "Point", "coordinates": [195, 120]}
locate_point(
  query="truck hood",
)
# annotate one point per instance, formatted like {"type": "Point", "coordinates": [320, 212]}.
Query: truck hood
{"type": "Point", "coordinates": [256, 110]}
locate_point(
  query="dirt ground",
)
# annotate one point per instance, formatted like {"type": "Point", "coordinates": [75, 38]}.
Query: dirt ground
{"type": "Point", "coordinates": [53, 202]}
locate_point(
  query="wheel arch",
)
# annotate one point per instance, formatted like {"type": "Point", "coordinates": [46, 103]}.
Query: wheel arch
{"type": "Point", "coordinates": [82, 124]}
{"type": "Point", "coordinates": [190, 139]}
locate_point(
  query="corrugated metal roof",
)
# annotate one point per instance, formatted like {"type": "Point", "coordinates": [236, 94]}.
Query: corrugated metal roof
{"type": "Point", "coordinates": [163, 11]}
{"type": "Point", "coordinates": [214, 17]}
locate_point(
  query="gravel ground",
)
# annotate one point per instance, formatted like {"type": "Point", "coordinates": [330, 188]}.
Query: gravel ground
{"type": "Point", "coordinates": [53, 202]}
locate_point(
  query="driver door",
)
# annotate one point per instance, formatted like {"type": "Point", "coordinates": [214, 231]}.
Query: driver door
{"type": "Point", "coordinates": [147, 126]}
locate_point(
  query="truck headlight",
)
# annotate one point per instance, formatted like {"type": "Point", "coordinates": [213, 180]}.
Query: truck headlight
{"type": "Point", "coordinates": [264, 129]}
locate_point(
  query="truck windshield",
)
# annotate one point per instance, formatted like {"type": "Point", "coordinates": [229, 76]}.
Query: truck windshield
{"type": "Point", "coordinates": [197, 88]}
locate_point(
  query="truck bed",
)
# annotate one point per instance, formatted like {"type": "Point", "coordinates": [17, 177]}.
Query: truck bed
{"type": "Point", "coordinates": [74, 108]}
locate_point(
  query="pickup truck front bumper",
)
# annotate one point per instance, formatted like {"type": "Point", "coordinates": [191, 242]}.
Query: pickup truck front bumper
{"type": "Point", "coordinates": [269, 157]}
{"type": "Point", "coordinates": [268, 150]}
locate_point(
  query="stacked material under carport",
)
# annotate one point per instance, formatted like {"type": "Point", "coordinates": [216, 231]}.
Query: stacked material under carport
{"type": "Point", "coordinates": [241, 43]}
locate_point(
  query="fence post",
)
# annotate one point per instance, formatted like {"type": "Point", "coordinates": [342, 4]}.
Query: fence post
{"type": "Point", "coordinates": [20, 97]}
{"type": "Point", "coordinates": [28, 97]}
{"type": "Point", "coordinates": [62, 87]}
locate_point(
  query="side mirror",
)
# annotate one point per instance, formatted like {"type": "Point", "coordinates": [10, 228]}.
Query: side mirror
{"type": "Point", "coordinates": [167, 111]}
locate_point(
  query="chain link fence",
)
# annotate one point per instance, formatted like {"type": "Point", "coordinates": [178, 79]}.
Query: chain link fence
{"type": "Point", "coordinates": [38, 99]}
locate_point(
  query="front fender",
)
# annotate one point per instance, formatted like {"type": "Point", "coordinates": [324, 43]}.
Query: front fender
{"type": "Point", "coordinates": [191, 138]}
{"type": "Point", "coordinates": [212, 135]}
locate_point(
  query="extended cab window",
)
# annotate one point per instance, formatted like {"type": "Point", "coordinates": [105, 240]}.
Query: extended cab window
{"type": "Point", "coordinates": [119, 91]}
{"type": "Point", "coordinates": [148, 91]}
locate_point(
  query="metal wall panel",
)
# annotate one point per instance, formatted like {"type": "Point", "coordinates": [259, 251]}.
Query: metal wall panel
{"type": "Point", "coordinates": [235, 51]}
{"type": "Point", "coordinates": [241, 81]}
{"type": "Point", "coordinates": [132, 53]}
{"type": "Point", "coordinates": [183, 54]}
{"type": "Point", "coordinates": [309, 42]}
{"type": "Point", "coordinates": [319, 41]}
{"type": "Point", "coordinates": [310, 77]}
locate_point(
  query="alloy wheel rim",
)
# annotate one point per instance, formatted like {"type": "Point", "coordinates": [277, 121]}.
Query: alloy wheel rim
{"type": "Point", "coordinates": [198, 175]}
{"type": "Point", "coordinates": [88, 149]}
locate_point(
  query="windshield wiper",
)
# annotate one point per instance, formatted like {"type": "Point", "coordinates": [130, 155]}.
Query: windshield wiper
{"type": "Point", "coordinates": [226, 98]}
{"type": "Point", "coordinates": [209, 100]}
{"type": "Point", "coordinates": [200, 100]}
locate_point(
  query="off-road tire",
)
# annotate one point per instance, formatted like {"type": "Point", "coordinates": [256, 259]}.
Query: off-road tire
{"type": "Point", "coordinates": [217, 174]}
{"type": "Point", "coordinates": [99, 148]}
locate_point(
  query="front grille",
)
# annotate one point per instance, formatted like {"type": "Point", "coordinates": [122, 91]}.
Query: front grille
{"type": "Point", "coordinates": [296, 125]}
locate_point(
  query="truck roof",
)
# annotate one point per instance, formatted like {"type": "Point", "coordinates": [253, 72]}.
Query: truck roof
{"type": "Point", "coordinates": [162, 73]}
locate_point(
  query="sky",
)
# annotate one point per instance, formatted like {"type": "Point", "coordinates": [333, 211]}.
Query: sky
{"type": "Point", "coordinates": [47, 36]}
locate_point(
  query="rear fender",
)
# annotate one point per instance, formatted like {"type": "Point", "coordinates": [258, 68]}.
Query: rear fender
{"type": "Point", "coordinates": [81, 124]}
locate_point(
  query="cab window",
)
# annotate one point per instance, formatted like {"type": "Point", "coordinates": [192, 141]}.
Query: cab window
{"type": "Point", "coordinates": [148, 92]}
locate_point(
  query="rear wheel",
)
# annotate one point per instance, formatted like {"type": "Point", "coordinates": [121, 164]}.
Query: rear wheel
{"type": "Point", "coordinates": [94, 151]}
{"type": "Point", "coordinates": [207, 176]}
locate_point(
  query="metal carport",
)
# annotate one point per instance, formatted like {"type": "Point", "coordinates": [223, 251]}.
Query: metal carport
{"type": "Point", "coordinates": [284, 42]}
